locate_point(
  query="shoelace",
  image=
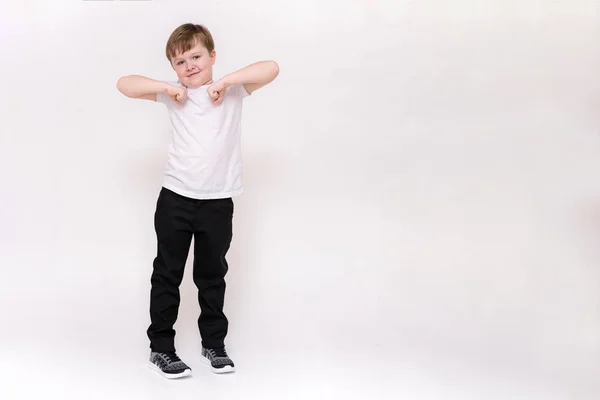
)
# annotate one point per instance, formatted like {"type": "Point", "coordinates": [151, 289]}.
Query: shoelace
{"type": "Point", "coordinates": [172, 357]}
{"type": "Point", "coordinates": [218, 352]}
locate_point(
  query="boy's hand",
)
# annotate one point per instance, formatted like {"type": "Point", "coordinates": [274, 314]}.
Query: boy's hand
{"type": "Point", "coordinates": [177, 94]}
{"type": "Point", "coordinates": [216, 91]}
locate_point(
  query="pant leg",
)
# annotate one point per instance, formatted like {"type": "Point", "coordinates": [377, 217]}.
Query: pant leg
{"type": "Point", "coordinates": [212, 238]}
{"type": "Point", "coordinates": [173, 223]}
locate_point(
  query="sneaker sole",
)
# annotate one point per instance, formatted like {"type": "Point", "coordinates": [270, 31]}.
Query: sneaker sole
{"type": "Point", "coordinates": [225, 370]}
{"type": "Point", "coordinates": [183, 374]}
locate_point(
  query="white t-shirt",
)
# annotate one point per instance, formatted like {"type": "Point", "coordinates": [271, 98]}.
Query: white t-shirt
{"type": "Point", "coordinates": [205, 157]}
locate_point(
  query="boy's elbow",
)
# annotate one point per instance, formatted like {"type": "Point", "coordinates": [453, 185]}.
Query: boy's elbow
{"type": "Point", "coordinates": [121, 84]}
{"type": "Point", "coordinates": [274, 69]}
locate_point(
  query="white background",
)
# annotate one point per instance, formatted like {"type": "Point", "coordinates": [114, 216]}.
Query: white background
{"type": "Point", "coordinates": [421, 217]}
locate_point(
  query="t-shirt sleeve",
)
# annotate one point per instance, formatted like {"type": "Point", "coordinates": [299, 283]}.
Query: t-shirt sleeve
{"type": "Point", "coordinates": [243, 91]}
{"type": "Point", "coordinates": [161, 97]}
{"type": "Point", "coordinates": [238, 91]}
{"type": "Point", "coordinates": [164, 98]}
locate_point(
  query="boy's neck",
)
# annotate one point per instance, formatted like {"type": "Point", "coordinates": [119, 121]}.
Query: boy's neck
{"type": "Point", "coordinates": [208, 82]}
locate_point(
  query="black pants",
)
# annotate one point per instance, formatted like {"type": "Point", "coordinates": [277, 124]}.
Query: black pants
{"type": "Point", "coordinates": [177, 220]}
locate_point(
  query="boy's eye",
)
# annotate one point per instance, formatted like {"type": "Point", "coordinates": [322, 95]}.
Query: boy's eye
{"type": "Point", "coordinates": [196, 56]}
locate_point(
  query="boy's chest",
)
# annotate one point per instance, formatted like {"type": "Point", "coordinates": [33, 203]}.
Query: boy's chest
{"type": "Point", "coordinates": [201, 110]}
{"type": "Point", "coordinates": [199, 103]}
{"type": "Point", "coordinates": [201, 117]}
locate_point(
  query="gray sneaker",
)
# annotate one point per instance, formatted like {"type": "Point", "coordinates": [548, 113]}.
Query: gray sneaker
{"type": "Point", "coordinates": [169, 365]}
{"type": "Point", "coordinates": [218, 360]}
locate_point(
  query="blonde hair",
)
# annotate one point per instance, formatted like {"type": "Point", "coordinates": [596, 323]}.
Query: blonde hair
{"type": "Point", "coordinates": [185, 37]}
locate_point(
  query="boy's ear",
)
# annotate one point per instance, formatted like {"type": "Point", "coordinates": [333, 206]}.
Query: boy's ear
{"type": "Point", "coordinates": [213, 56]}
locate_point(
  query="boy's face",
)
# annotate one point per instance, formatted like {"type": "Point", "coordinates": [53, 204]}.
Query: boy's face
{"type": "Point", "coordinates": [194, 67]}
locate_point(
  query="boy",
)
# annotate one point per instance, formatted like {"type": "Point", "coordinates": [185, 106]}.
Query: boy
{"type": "Point", "coordinates": [203, 173]}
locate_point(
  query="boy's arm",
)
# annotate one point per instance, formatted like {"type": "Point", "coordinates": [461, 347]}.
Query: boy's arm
{"type": "Point", "coordinates": [140, 87]}
{"type": "Point", "coordinates": [254, 76]}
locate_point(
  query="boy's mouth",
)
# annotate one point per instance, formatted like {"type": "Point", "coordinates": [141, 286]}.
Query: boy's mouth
{"type": "Point", "coordinates": [194, 74]}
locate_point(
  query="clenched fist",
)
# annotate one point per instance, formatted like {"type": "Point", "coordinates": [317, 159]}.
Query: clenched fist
{"type": "Point", "coordinates": [216, 92]}
{"type": "Point", "coordinates": [177, 94]}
